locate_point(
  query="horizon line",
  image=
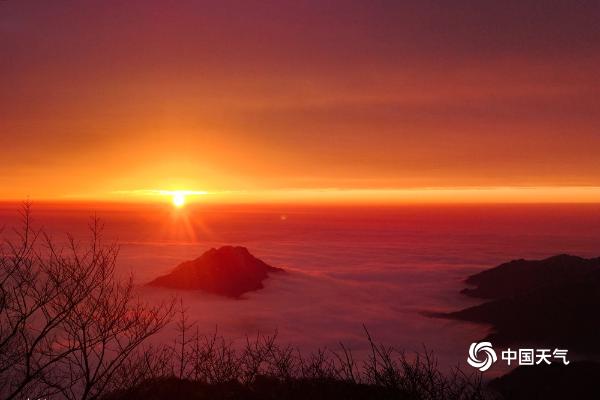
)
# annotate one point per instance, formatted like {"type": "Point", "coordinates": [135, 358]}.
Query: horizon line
{"type": "Point", "coordinates": [340, 196]}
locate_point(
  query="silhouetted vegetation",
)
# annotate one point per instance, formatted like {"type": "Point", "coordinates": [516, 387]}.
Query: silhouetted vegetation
{"type": "Point", "coordinates": [68, 327]}
{"type": "Point", "coordinates": [198, 366]}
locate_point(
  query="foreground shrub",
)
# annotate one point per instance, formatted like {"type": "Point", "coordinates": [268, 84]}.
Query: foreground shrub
{"type": "Point", "coordinates": [68, 327]}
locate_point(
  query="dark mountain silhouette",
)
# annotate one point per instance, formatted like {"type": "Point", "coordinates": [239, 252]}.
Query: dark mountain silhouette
{"type": "Point", "coordinates": [578, 380]}
{"type": "Point", "coordinates": [263, 388]}
{"type": "Point", "coordinates": [228, 271]}
{"type": "Point", "coordinates": [557, 306]}
{"type": "Point", "coordinates": [521, 276]}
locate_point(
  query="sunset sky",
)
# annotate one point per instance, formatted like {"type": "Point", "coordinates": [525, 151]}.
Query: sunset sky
{"type": "Point", "coordinates": [266, 100]}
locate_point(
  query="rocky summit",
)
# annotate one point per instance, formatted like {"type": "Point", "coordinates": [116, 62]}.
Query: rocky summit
{"type": "Point", "coordinates": [228, 271]}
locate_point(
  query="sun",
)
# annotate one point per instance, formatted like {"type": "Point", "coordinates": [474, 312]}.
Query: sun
{"type": "Point", "coordinates": [178, 199]}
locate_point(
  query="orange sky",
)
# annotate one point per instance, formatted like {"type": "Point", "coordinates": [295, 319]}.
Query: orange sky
{"type": "Point", "coordinates": [305, 100]}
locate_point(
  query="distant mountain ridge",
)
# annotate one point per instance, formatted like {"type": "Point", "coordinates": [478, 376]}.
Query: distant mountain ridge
{"type": "Point", "coordinates": [228, 271]}
{"type": "Point", "coordinates": [554, 302]}
{"type": "Point", "coordinates": [521, 276]}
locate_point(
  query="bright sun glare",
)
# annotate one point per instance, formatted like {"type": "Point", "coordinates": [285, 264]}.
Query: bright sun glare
{"type": "Point", "coordinates": [178, 199]}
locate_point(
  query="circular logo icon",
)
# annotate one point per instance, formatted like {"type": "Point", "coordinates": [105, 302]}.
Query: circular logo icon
{"type": "Point", "coordinates": [481, 355]}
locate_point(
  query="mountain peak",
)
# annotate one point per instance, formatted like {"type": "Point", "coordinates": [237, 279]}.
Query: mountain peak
{"type": "Point", "coordinates": [228, 271]}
